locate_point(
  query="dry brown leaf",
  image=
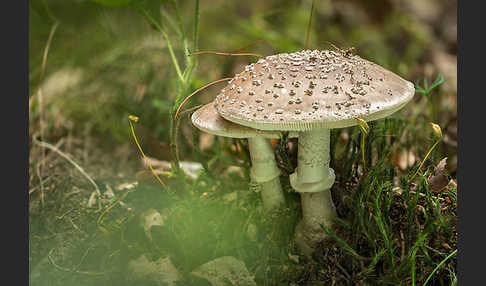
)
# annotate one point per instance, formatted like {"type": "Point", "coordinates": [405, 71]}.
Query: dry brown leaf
{"type": "Point", "coordinates": [439, 180]}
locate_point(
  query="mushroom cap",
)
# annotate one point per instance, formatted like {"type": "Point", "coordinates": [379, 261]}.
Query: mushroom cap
{"type": "Point", "coordinates": [208, 120]}
{"type": "Point", "coordinates": [311, 89]}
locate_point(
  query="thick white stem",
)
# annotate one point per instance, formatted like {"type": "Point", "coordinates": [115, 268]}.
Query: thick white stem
{"type": "Point", "coordinates": [313, 178]}
{"type": "Point", "coordinates": [317, 209]}
{"type": "Point", "coordinates": [264, 171]}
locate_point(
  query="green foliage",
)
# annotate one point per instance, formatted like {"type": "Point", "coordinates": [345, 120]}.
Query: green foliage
{"type": "Point", "coordinates": [427, 90]}
{"type": "Point", "coordinates": [113, 3]}
{"type": "Point", "coordinates": [373, 230]}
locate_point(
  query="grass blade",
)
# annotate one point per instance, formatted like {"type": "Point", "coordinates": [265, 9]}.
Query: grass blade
{"type": "Point", "coordinates": [438, 266]}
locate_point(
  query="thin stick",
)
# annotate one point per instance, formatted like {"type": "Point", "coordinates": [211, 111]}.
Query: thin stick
{"type": "Point", "coordinates": [41, 180]}
{"type": "Point", "coordinates": [235, 51]}
{"type": "Point", "coordinates": [226, 54]}
{"type": "Point", "coordinates": [40, 166]}
{"type": "Point", "coordinates": [243, 48]}
{"type": "Point", "coordinates": [46, 50]}
{"type": "Point", "coordinates": [100, 218]}
{"type": "Point", "coordinates": [199, 89]}
{"type": "Point", "coordinates": [309, 25]}
{"type": "Point", "coordinates": [65, 156]}
{"type": "Point", "coordinates": [71, 270]}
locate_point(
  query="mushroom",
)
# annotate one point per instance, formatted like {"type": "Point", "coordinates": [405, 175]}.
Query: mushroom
{"type": "Point", "coordinates": [264, 170]}
{"type": "Point", "coordinates": [312, 92]}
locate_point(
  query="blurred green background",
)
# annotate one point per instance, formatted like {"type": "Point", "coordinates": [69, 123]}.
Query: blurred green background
{"type": "Point", "coordinates": [107, 62]}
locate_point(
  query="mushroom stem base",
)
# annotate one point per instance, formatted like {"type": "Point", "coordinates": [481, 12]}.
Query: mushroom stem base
{"type": "Point", "coordinates": [317, 210]}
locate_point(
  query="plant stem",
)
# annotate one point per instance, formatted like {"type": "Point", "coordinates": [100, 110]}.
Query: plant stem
{"type": "Point", "coordinates": [423, 161]}
{"type": "Point", "coordinates": [145, 157]}
{"type": "Point", "coordinates": [363, 135]}
{"type": "Point", "coordinates": [184, 82]}
{"type": "Point", "coordinates": [167, 41]}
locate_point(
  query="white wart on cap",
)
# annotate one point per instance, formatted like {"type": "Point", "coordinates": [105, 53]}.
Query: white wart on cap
{"type": "Point", "coordinates": [311, 89]}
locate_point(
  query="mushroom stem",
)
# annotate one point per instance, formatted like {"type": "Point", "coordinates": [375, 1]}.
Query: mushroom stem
{"type": "Point", "coordinates": [313, 178]}
{"type": "Point", "coordinates": [264, 171]}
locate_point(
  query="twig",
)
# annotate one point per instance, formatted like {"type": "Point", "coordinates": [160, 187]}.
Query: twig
{"type": "Point", "coordinates": [40, 165]}
{"type": "Point", "coordinates": [46, 50]}
{"type": "Point", "coordinates": [226, 54]}
{"type": "Point", "coordinates": [236, 51]}
{"type": "Point", "coordinates": [32, 190]}
{"type": "Point", "coordinates": [344, 271]}
{"type": "Point", "coordinates": [71, 270]}
{"type": "Point", "coordinates": [199, 89]}
{"type": "Point", "coordinates": [100, 218]}
{"type": "Point", "coordinates": [65, 156]}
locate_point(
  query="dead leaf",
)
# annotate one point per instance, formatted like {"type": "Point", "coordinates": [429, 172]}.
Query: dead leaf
{"type": "Point", "coordinates": [439, 180]}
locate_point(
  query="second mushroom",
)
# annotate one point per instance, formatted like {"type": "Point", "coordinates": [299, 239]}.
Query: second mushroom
{"type": "Point", "coordinates": [264, 170]}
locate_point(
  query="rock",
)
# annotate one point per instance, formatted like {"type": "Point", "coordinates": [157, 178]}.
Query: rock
{"type": "Point", "coordinates": [150, 218]}
{"type": "Point", "coordinates": [161, 271]}
{"type": "Point", "coordinates": [225, 269]}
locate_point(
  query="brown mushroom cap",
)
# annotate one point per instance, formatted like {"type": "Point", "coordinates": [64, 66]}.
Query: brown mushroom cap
{"type": "Point", "coordinates": [311, 89]}
{"type": "Point", "coordinates": [208, 120]}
